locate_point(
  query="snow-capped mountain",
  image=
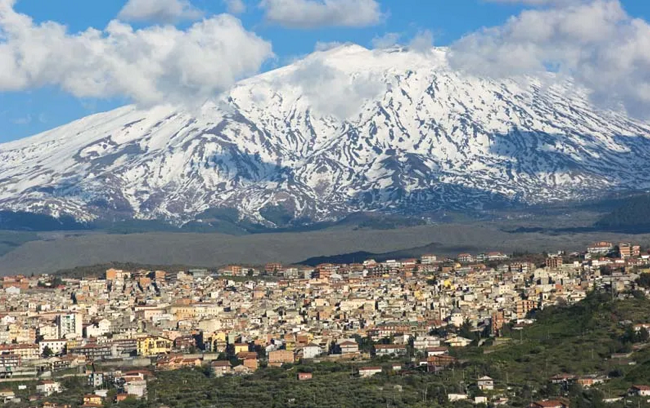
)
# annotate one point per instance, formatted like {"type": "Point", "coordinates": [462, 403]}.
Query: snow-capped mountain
{"type": "Point", "coordinates": [343, 130]}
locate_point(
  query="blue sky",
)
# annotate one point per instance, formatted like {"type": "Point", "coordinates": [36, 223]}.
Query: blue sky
{"type": "Point", "coordinates": [38, 107]}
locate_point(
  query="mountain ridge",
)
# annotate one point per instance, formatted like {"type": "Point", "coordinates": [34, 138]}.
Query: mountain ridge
{"type": "Point", "coordinates": [342, 131]}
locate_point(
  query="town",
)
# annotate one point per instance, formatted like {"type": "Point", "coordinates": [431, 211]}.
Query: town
{"type": "Point", "coordinates": [118, 331]}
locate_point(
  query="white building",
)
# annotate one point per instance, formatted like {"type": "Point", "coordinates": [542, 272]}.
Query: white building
{"type": "Point", "coordinates": [311, 351]}
{"type": "Point", "coordinates": [485, 383]}
{"type": "Point", "coordinates": [99, 329]}
{"type": "Point", "coordinates": [69, 325]}
{"type": "Point", "coordinates": [369, 371]}
{"type": "Point", "coordinates": [57, 346]}
{"type": "Point", "coordinates": [48, 387]}
{"type": "Point", "coordinates": [137, 388]}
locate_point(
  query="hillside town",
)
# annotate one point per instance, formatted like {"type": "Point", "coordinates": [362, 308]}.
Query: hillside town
{"type": "Point", "coordinates": [236, 319]}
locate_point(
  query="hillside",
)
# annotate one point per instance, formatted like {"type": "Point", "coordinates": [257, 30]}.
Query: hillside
{"type": "Point", "coordinates": [632, 215]}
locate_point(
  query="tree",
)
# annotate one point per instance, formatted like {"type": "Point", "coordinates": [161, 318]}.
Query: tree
{"type": "Point", "coordinates": [644, 280]}
{"type": "Point", "coordinates": [47, 352]}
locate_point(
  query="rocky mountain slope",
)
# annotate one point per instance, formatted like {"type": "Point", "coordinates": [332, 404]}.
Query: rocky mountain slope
{"type": "Point", "coordinates": [343, 130]}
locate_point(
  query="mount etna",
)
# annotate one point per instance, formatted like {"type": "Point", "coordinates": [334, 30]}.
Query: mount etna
{"type": "Point", "coordinates": [341, 131]}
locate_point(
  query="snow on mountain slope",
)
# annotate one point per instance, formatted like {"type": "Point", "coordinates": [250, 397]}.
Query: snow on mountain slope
{"type": "Point", "coordinates": [343, 130]}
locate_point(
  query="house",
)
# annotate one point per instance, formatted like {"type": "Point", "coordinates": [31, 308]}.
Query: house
{"type": "Point", "coordinates": [589, 381]}
{"type": "Point", "coordinates": [428, 259]}
{"type": "Point", "coordinates": [349, 347]}
{"type": "Point", "coordinates": [136, 388]}
{"type": "Point", "coordinates": [92, 400]}
{"type": "Point", "coordinates": [496, 256]}
{"type": "Point", "coordinates": [311, 351]}
{"type": "Point", "coordinates": [456, 397]}
{"type": "Point", "coordinates": [96, 380]}
{"type": "Point", "coordinates": [437, 351]}
{"type": "Point", "coordinates": [48, 387]}
{"type": "Point", "coordinates": [458, 342]}
{"type": "Point", "coordinates": [465, 258]}
{"type": "Point", "coordinates": [600, 248]}
{"type": "Point", "coordinates": [56, 347]}
{"type": "Point", "coordinates": [389, 349]}
{"type": "Point", "coordinates": [639, 391]}
{"type": "Point", "coordinates": [437, 363]}
{"type": "Point", "coordinates": [305, 376]}
{"type": "Point", "coordinates": [424, 342]}
{"type": "Point", "coordinates": [485, 383]}
{"type": "Point", "coordinates": [241, 347]}
{"type": "Point", "coordinates": [369, 371]}
{"type": "Point", "coordinates": [7, 395]}
{"type": "Point", "coordinates": [549, 404]}
{"type": "Point", "coordinates": [279, 357]}
{"type": "Point", "coordinates": [251, 363]}
{"type": "Point", "coordinates": [153, 345]}
{"type": "Point", "coordinates": [55, 405]}
{"type": "Point", "coordinates": [563, 379]}
{"type": "Point", "coordinates": [221, 368]}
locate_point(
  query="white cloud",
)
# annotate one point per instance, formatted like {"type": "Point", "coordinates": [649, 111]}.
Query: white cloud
{"type": "Point", "coordinates": [597, 43]}
{"type": "Point", "coordinates": [326, 46]}
{"type": "Point", "coordinates": [332, 92]}
{"type": "Point", "coordinates": [235, 6]}
{"type": "Point", "coordinates": [149, 66]}
{"type": "Point", "coordinates": [387, 40]}
{"type": "Point", "coordinates": [161, 11]}
{"type": "Point", "coordinates": [422, 42]}
{"type": "Point", "coordinates": [322, 13]}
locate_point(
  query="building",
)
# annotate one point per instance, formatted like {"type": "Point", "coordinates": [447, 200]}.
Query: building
{"type": "Point", "coordinates": [485, 383]}
{"type": "Point", "coordinates": [7, 396]}
{"type": "Point", "coordinates": [389, 349]}
{"type": "Point", "coordinates": [549, 404]}
{"type": "Point", "coordinates": [221, 368]}
{"type": "Point", "coordinates": [523, 307]}
{"type": "Point", "coordinates": [92, 351]}
{"type": "Point", "coordinates": [56, 347]}
{"type": "Point", "coordinates": [136, 388]}
{"type": "Point", "coordinates": [48, 387]}
{"type": "Point", "coordinates": [465, 258]}
{"type": "Point", "coordinates": [96, 380]}
{"type": "Point", "coordinates": [369, 371]}
{"type": "Point", "coordinates": [152, 346]}
{"type": "Point", "coordinates": [349, 347]}
{"type": "Point", "coordinates": [625, 250]}
{"type": "Point", "coordinates": [311, 351]}
{"type": "Point", "coordinates": [69, 326]}
{"type": "Point", "coordinates": [437, 351]}
{"type": "Point", "coordinates": [600, 248]}
{"type": "Point", "coordinates": [639, 391]}
{"type": "Point", "coordinates": [24, 351]}
{"type": "Point", "coordinates": [428, 259]}
{"type": "Point", "coordinates": [279, 357]}
{"type": "Point", "coordinates": [92, 400]}
{"type": "Point", "coordinates": [554, 262]}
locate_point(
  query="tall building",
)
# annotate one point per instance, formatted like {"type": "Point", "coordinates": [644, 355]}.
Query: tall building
{"type": "Point", "coordinates": [69, 325]}
{"type": "Point", "coordinates": [625, 250]}
{"type": "Point", "coordinates": [554, 262]}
